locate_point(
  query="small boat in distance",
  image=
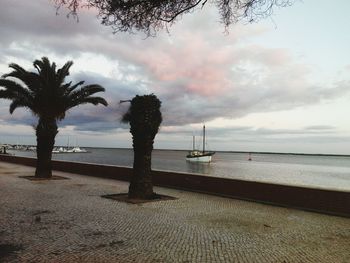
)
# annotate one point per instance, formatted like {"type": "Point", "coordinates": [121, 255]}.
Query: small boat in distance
{"type": "Point", "coordinates": [250, 157]}
{"type": "Point", "coordinates": [78, 150]}
{"type": "Point", "coordinates": [69, 150]}
{"type": "Point", "coordinates": [58, 150]}
{"type": "Point", "coordinates": [199, 156]}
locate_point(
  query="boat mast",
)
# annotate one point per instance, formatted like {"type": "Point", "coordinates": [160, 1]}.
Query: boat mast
{"type": "Point", "coordinates": [193, 142]}
{"type": "Point", "coordinates": [203, 138]}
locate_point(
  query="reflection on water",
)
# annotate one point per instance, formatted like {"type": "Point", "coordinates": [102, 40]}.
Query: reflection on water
{"type": "Point", "coordinates": [199, 168]}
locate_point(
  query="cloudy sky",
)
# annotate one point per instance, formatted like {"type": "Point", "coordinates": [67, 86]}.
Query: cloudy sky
{"type": "Point", "coordinates": [282, 84]}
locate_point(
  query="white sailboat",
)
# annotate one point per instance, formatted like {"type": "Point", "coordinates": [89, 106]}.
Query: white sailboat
{"type": "Point", "coordinates": [69, 149]}
{"type": "Point", "coordinates": [77, 149]}
{"type": "Point", "coordinates": [199, 156]}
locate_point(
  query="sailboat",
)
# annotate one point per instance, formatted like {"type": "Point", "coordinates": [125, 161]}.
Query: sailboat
{"type": "Point", "coordinates": [199, 156]}
{"type": "Point", "coordinates": [69, 149]}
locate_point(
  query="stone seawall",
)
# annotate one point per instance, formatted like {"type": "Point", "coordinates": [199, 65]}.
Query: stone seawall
{"type": "Point", "coordinates": [317, 200]}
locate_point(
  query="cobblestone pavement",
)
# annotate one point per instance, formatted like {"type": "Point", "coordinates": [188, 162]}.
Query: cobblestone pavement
{"type": "Point", "coordinates": [68, 221]}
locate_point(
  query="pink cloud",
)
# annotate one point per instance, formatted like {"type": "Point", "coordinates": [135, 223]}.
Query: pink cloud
{"type": "Point", "coordinates": [201, 67]}
{"type": "Point", "coordinates": [200, 72]}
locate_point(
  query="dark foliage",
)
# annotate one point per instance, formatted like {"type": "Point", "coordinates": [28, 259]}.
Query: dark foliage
{"type": "Point", "coordinates": [7, 251]}
{"type": "Point", "coordinates": [145, 118]}
{"type": "Point", "coordinates": [48, 97]}
{"type": "Point", "coordinates": [151, 16]}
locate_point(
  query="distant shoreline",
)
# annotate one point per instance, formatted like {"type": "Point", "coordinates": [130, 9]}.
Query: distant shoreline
{"type": "Point", "coordinates": [247, 152]}
{"type": "Point", "coordinates": [279, 153]}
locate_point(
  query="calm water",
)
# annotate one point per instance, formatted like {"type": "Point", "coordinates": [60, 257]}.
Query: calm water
{"type": "Point", "coordinates": [330, 172]}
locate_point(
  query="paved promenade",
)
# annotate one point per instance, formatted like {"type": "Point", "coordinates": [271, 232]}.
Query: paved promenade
{"type": "Point", "coordinates": [68, 221]}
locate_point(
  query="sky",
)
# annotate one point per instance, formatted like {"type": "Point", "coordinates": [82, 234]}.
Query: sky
{"type": "Point", "coordinates": [279, 85]}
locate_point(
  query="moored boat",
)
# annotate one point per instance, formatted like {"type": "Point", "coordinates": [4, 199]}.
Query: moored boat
{"type": "Point", "coordinates": [69, 150]}
{"type": "Point", "coordinates": [199, 156]}
{"type": "Point", "coordinates": [78, 150]}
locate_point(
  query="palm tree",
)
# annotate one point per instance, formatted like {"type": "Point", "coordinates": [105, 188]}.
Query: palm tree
{"type": "Point", "coordinates": [49, 98]}
{"type": "Point", "coordinates": [145, 118]}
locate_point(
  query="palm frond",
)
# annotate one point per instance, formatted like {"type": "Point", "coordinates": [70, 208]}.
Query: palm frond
{"type": "Point", "coordinates": [88, 100]}
{"type": "Point", "coordinates": [13, 90]}
{"type": "Point", "coordinates": [46, 62]}
{"type": "Point", "coordinates": [39, 65]}
{"type": "Point", "coordinates": [68, 88]}
{"type": "Point", "coordinates": [6, 94]}
{"type": "Point", "coordinates": [43, 67]}
{"type": "Point", "coordinates": [53, 68]}
{"type": "Point", "coordinates": [95, 101]}
{"type": "Point", "coordinates": [17, 69]}
{"type": "Point", "coordinates": [49, 87]}
{"type": "Point", "coordinates": [45, 92]}
{"type": "Point", "coordinates": [87, 91]}
{"type": "Point", "coordinates": [63, 72]}
{"type": "Point", "coordinates": [31, 79]}
{"type": "Point", "coordinates": [19, 103]}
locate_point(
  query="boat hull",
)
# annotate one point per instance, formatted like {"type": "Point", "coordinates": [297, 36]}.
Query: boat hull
{"type": "Point", "coordinates": [199, 159]}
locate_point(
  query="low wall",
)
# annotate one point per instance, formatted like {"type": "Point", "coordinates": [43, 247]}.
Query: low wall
{"type": "Point", "coordinates": [318, 200]}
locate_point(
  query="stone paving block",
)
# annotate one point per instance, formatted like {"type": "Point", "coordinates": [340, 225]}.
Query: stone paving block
{"type": "Point", "coordinates": [68, 221]}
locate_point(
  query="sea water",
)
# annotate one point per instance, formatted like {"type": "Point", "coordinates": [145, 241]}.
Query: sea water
{"type": "Point", "coordinates": [326, 171]}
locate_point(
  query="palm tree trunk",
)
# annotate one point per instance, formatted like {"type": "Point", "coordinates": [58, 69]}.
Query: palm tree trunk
{"type": "Point", "coordinates": [45, 136]}
{"type": "Point", "coordinates": [141, 186]}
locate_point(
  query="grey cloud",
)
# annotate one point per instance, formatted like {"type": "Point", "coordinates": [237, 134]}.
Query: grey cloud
{"type": "Point", "coordinates": [101, 127]}
{"type": "Point", "coordinates": [264, 131]}
{"type": "Point", "coordinates": [181, 108]}
{"type": "Point", "coordinates": [170, 66]}
{"type": "Point", "coordinates": [309, 139]}
{"type": "Point", "coordinates": [320, 128]}
{"type": "Point", "coordinates": [21, 20]}
{"type": "Point", "coordinates": [178, 107]}
{"type": "Point", "coordinates": [232, 131]}
{"type": "Point", "coordinates": [20, 116]}
{"type": "Point", "coordinates": [177, 110]}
